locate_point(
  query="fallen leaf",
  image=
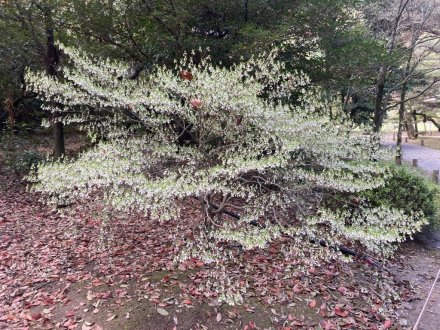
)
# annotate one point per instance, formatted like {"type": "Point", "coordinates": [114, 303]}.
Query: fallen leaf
{"type": "Point", "coordinates": [37, 316]}
{"type": "Point", "coordinates": [342, 290]}
{"type": "Point", "coordinates": [90, 295]}
{"type": "Point", "coordinates": [86, 327]}
{"type": "Point", "coordinates": [68, 323]}
{"type": "Point", "coordinates": [340, 312]}
{"type": "Point", "coordinates": [162, 311]}
{"type": "Point", "coordinates": [387, 324]}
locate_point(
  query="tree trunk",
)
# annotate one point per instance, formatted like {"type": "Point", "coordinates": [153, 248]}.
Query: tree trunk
{"type": "Point", "coordinates": [409, 125]}
{"type": "Point", "coordinates": [52, 58]}
{"type": "Point", "coordinates": [58, 134]}
{"type": "Point", "coordinates": [378, 104]}
{"type": "Point", "coordinates": [381, 79]}
{"type": "Point", "coordinates": [401, 123]}
{"type": "Point", "coordinates": [402, 111]}
{"type": "Point", "coordinates": [416, 128]}
{"type": "Point", "coordinates": [246, 10]}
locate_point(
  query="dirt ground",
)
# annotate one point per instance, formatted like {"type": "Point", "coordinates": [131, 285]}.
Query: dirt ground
{"type": "Point", "coordinates": [418, 264]}
{"type": "Point", "coordinates": [415, 264]}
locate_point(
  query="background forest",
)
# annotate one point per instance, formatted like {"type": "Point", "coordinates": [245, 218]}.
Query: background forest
{"type": "Point", "coordinates": [374, 54]}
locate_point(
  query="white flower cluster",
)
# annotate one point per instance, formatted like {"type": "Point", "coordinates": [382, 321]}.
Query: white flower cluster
{"type": "Point", "coordinates": [252, 139]}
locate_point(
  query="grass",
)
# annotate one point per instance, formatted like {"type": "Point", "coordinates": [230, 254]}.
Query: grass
{"type": "Point", "coordinates": [429, 141]}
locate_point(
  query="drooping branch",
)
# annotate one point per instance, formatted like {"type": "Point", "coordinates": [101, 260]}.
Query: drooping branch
{"type": "Point", "coordinates": [428, 118]}
{"type": "Point", "coordinates": [341, 248]}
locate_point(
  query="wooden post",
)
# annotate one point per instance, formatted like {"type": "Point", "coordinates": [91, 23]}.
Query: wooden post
{"type": "Point", "coordinates": [398, 160]}
{"type": "Point", "coordinates": [422, 142]}
{"type": "Point", "coordinates": [406, 140]}
{"type": "Point", "coordinates": [435, 175]}
{"type": "Point", "coordinates": [415, 162]}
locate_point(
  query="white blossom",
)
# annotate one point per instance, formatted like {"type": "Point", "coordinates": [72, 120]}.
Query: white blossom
{"type": "Point", "coordinates": [259, 142]}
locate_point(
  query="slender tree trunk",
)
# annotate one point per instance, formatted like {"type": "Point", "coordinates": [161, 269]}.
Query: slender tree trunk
{"type": "Point", "coordinates": [246, 10]}
{"type": "Point", "coordinates": [402, 105]}
{"type": "Point", "coordinates": [378, 104]}
{"type": "Point", "coordinates": [58, 134]}
{"type": "Point", "coordinates": [52, 58]}
{"type": "Point", "coordinates": [400, 128]}
{"type": "Point", "coordinates": [381, 79]}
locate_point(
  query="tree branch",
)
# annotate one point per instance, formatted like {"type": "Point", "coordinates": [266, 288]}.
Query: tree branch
{"type": "Point", "coordinates": [414, 97]}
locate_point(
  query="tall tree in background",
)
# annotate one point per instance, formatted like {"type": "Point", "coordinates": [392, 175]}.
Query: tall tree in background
{"type": "Point", "coordinates": [34, 21]}
{"type": "Point", "coordinates": [427, 107]}
{"type": "Point", "coordinates": [405, 25]}
{"type": "Point", "coordinates": [349, 35]}
{"type": "Point", "coordinates": [422, 19]}
{"type": "Point", "coordinates": [52, 59]}
{"type": "Point", "coordinates": [385, 18]}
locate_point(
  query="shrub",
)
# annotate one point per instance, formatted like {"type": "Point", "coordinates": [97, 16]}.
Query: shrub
{"type": "Point", "coordinates": [16, 153]}
{"type": "Point", "coordinates": [252, 139]}
{"type": "Point", "coordinates": [405, 190]}
{"type": "Point", "coordinates": [27, 160]}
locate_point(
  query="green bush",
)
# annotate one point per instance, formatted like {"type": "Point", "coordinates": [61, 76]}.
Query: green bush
{"type": "Point", "coordinates": [26, 160]}
{"type": "Point", "coordinates": [405, 190]}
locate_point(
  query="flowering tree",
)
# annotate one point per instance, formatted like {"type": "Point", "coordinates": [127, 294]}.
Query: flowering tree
{"type": "Point", "coordinates": [252, 139]}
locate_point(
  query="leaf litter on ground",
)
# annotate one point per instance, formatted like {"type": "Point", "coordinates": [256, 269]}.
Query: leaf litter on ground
{"type": "Point", "coordinates": [45, 255]}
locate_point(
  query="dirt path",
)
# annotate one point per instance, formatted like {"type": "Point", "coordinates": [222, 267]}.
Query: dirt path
{"type": "Point", "coordinates": [419, 266]}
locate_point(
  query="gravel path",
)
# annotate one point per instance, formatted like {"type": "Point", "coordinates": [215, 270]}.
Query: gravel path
{"type": "Point", "coordinates": [428, 159]}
